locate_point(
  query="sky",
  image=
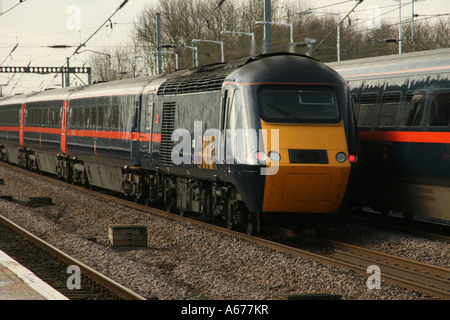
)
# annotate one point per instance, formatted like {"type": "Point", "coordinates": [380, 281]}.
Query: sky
{"type": "Point", "coordinates": [34, 25]}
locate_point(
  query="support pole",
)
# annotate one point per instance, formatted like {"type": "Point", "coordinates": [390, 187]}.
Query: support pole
{"type": "Point", "coordinates": [267, 26]}
{"type": "Point", "coordinates": [68, 73]}
{"type": "Point", "coordinates": [400, 27]}
{"type": "Point", "coordinates": [158, 41]}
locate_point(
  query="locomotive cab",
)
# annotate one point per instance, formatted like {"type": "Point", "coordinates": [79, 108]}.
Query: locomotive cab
{"type": "Point", "coordinates": [306, 122]}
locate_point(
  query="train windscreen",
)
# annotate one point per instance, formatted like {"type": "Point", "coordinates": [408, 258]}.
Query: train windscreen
{"type": "Point", "coordinates": [299, 105]}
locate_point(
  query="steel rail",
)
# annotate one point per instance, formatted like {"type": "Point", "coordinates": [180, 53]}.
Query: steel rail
{"type": "Point", "coordinates": [409, 273]}
{"type": "Point", "coordinates": [112, 285]}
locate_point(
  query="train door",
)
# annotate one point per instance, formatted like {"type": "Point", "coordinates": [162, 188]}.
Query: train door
{"type": "Point", "coordinates": [145, 147]}
{"type": "Point", "coordinates": [224, 111]}
{"type": "Point", "coordinates": [136, 130]}
{"type": "Point", "coordinates": [22, 125]}
{"type": "Point", "coordinates": [64, 125]}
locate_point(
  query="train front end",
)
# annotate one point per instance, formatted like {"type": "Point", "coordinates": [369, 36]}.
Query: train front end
{"type": "Point", "coordinates": [305, 114]}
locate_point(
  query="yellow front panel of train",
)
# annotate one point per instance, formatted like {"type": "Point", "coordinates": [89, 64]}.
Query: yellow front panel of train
{"type": "Point", "coordinates": [306, 187]}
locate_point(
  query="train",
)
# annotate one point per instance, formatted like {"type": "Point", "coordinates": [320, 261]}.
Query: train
{"type": "Point", "coordinates": [252, 137]}
{"type": "Point", "coordinates": [403, 117]}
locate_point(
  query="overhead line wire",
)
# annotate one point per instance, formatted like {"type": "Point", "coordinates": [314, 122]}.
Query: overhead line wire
{"type": "Point", "coordinates": [21, 1]}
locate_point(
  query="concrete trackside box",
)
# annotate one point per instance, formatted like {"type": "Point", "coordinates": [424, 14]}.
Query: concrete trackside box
{"type": "Point", "coordinates": [126, 235]}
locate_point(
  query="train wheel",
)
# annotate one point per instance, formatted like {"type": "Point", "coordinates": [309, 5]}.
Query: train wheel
{"type": "Point", "coordinates": [147, 201]}
{"type": "Point", "coordinates": [231, 215]}
{"type": "Point", "coordinates": [137, 200]}
{"type": "Point", "coordinates": [169, 204]}
{"type": "Point", "coordinates": [253, 224]}
{"type": "Point", "coordinates": [183, 213]}
{"type": "Point", "coordinates": [230, 224]}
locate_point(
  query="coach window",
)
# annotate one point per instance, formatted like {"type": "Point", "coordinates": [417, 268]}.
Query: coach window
{"type": "Point", "coordinates": [107, 117]}
{"type": "Point", "coordinates": [115, 117]}
{"type": "Point", "coordinates": [70, 122]}
{"type": "Point", "coordinates": [74, 116]}
{"type": "Point", "coordinates": [101, 116]}
{"type": "Point", "coordinates": [31, 116]}
{"type": "Point", "coordinates": [93, 117]}
{"type": "Point", "coordinates": [413, 109]}
{"type": "Point", "coordinates": [367, 109]}
{"type": "Point", "coordinates": [54, 121]}
{"type": "Point", "coordinates": [390, 105]}
{"type": "Point", "coordinates": [86, 114]}
{"type": "Point", "coordinates": [79, 116]}
{"type": "Point", "coordinates": [440, 110]}
{"type": "Point", "coordinates": [51, 116]}
{"type": "Point", "coordinates": [40, 113]}
{"type": "Point", "coordinates": [57, 115]}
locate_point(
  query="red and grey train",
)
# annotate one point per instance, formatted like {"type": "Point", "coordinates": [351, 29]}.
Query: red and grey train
{"type": "Point", "coordinates": [285, 113]}
{"type": "Point", "coordinates": [403, 105]}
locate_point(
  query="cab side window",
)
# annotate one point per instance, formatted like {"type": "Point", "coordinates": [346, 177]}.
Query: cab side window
{"type": "Point", "coordinates": [236, 116]}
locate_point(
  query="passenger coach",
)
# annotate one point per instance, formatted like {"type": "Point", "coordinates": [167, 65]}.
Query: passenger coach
{"type": "Point", "coordinates": [403, 104]}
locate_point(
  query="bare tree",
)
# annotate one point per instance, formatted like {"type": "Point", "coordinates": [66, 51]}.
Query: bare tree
{"type": "Point", "coordinates": [185, 20]}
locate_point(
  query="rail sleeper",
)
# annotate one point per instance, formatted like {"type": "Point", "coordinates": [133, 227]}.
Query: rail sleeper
{"type": "Point", "coordinates": [122, 235]}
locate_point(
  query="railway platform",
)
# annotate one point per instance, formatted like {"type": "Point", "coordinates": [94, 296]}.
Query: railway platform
{"type": "Point", "coordinates": [19, 283]}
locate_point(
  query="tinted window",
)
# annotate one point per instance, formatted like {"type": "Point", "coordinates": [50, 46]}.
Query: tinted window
{"type": "Point", "coordinates": [115, 117]}
{"type": "Point", "coordinates": [390, 105]}
{"type": "Point", "coordinates": [440, 110]}
{"type": "Point", "coordinates": [297, 104]}
{"type": "Point", "coordinates": [86, 112]}
{"type": "Point", "coordinates": [367, 109]}
{"type": "Point", "coordinates": [413, 109]}
{"type": "Point", "coordinates": [101, 116]}
{"type": "Point", "coordinates": [93, 117]}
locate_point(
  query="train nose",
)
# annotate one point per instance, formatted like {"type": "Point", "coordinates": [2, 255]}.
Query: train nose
{"type": "Point", "coordinates": [309, 181]}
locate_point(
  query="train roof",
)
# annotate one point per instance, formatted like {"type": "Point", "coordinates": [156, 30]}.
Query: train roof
{"type": "Point", "coordinates": [53, 94]}
{"type": "Point", "coordinates": [266, 67]}
{"type": "Point", "coordinates": [415, 63]}
{"type": "Point", "coordinates": [287, 68]}
{"type": "Point", "coordinates": [249, 69]}
{"type": "Point", "coordinates": [116, 87]}
{"type": "Point", "coordinates": [17, 99]}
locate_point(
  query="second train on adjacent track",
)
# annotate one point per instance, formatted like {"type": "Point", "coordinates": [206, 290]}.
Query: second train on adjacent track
{"type": "Point", "coordinates": [403, 106]}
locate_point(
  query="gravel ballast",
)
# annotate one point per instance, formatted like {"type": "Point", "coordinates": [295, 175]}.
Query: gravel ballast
{"type": "Point", "coordinates": [184, 261]}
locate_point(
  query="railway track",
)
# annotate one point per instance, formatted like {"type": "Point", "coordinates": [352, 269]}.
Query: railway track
{"type": "Point", "coordinates": [48, 265]}
{"type": "Point", "coordinates": [406, 273]}
{"type": "Point", "coordinates": [431, 230]}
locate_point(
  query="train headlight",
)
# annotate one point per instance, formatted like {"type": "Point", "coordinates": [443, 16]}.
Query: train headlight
{"type": "Point", "coordinates": [274, 156]}
{"type": "Point", "coordinates": [341, 157]}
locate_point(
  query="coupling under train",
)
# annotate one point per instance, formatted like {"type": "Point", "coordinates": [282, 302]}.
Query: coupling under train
{"type": "Point", "coordinates": [273, 133]}
{"type": "Point", "coordinates": [403, 105]}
